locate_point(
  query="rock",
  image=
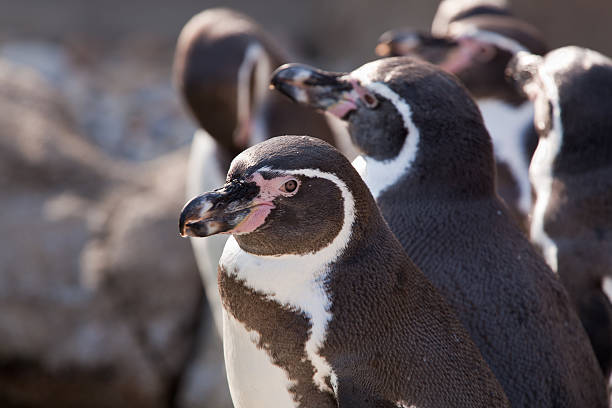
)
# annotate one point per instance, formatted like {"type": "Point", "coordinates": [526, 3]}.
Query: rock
{"type": "Point", "coordinates": [100, 300]}
{"type": "Point", "coordinates": [121, 97]}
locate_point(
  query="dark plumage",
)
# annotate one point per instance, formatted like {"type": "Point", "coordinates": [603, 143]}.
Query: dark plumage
{"type": "Point", "coordinates": [572, 176]}
{"type": "Point", "coordinates": [440, 202]}
{"type": "Point", "coordinates": [390, 339]}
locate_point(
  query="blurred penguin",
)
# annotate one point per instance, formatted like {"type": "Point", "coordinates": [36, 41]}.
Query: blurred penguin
{"type": "Point", "coordinates": [475, 40]}
{"type": "Point", "coordinates": [222, 67]}
{"type": "Point", "coordinates": [571, 173]}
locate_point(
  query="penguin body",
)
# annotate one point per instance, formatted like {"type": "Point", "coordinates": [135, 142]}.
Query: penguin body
{"type": "Point", "coordinates": [571, 174]}
{"type": "Point", "coordinates": [222, 66]}
{"type": "Point", "coordinates": [427, 158]}
{"type": "Point", "coordinates": [322, 307]}
{"type": "Point", "coordinates": [475, 41]}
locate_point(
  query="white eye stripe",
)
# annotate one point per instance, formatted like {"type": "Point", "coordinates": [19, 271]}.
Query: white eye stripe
{"type": "Point", "coordinates": [380, 175]}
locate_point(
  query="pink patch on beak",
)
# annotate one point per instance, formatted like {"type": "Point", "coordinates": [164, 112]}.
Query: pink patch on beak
{"type": "Point", "coordinates": [341, 108]}
{"type": "Point", "coordinates": [256, 218]}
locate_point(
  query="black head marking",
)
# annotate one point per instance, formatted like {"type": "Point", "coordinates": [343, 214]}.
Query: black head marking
{"type": "Point", "coordinates": [584, 84]}
{"type": "Point", "coordinates": [313, 216]}
{"type": "Point", "coordinates": [300, 224]}
{"type": "Point", "coordinates": [452, 137]}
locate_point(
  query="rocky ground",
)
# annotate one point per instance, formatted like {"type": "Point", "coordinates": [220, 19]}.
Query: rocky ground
{"type": "Point", "coordinates": [100, 300]}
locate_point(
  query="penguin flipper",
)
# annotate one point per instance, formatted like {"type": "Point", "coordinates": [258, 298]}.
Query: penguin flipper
{"type": "Point", "coordinates": [351, 395]}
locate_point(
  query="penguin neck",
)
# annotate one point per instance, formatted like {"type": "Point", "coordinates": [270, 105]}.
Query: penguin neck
{"type": "Point", "coordinates": [417, 172]}
{"type": "Point", "coordinates": [379, 175]}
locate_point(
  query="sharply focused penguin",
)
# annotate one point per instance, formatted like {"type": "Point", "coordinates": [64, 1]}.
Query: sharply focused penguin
{"type": "Point", "coordinates": [428, 161]}
{"type": "Point", "coordinates": [322, 307]}
{"type": "Point", "coordinates": [222, 68]}
{"type": "Point", "coordinates": [571, 173]}
{"type": "Point", "coordinates": [475, 40]}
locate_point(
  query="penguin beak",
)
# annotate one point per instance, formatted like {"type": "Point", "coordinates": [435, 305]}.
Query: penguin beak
{"type": "Point", "coordinates": [404, 42]}
{"type": "Point", "coordinates": [395, 43]}
{"type": "Point", "coordinates": [219, 211]}
{"type": "Point", "coordinates": [328, 91]}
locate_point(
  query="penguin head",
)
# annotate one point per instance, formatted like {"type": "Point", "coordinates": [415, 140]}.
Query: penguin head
{"type": "Point", "coordinates": [287, 195]}
{"type": "Point", "coordinates": [397, 104]}
{"type": "Point", "coordinates": [374, 117]}
{"type": "Point", "coordinates": [473, 40]}
{"type": "Point", "coordinates": [221, 68]}
{"type": "Point", "coordinates": [570, 88]}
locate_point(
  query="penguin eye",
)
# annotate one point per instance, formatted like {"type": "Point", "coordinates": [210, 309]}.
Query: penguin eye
{"type": "Point", "coordinates": [370, 100]}
{"type": "Point", "coordinates": [290, 186]}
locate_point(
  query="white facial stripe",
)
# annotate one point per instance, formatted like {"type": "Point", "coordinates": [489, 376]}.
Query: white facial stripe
{"type": "Point", "coordinates": [380, 175]}
{"type": "Point", "coordinates": [298, 281]}
{"type": "Point", "coordinates": [540, 171]}
{"type": "Point", "coordinates": [255, 60]}
{"type": "Point", "coordinates": [606, 286]}
{"type": "Point", "coordinates": [500, 41]}
{"type": "Point", "coordinates": [506, 125]}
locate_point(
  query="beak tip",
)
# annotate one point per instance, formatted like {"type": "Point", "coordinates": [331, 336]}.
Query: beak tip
{"type": "Point", "coordinates": [383, 49]}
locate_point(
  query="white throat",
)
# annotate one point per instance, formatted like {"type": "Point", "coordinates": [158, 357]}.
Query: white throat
{"type": "Point", "coordinates": [296, 281]}
{"type": "Point", "coordinates": [506, 125]}
{"type": "Point", "coordinates": [541, 173]}
{"type": "Point", "coordinates": [380, 175]}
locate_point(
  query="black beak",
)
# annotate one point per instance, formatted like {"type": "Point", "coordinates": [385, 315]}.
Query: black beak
{"type": "Point", "coordinates": [328, 91]}
{"type": "Point", "coordinates": [406, 42]}
{"type": "Point", "coordinates": [218, 211]}
{"type": "Point", "coordinates": [310, 86]}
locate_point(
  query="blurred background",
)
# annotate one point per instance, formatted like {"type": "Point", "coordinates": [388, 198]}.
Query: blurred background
{"type": "Point", "coordinates": [100, 301]}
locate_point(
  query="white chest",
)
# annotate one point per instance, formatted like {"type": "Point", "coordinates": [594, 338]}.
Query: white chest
{"type": "Point", "coordinates": [506, 125]}
{"type": "Point", "coordinates": [293, 281]}
{"type": "Point", "coordinates": [254, 381]}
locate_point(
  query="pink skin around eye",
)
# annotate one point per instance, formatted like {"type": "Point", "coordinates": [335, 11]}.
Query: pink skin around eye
{"type": "Point", "coordinates": [268, 191]}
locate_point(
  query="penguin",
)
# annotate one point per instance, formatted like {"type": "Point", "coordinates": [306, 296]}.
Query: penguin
{"type": "Point", "coordinates": [475, 40]}
{"type": "Point", "coordinates": [222, 65]}
{"type": "Point", "coordinates": [322, 307]}
{"type": "Point", "coordinates": [428, 161]}
{"type": "Point", "coordinates": [571, 173]}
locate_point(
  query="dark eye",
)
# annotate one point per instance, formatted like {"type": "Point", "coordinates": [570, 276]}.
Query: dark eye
{"type": "Point", "coordinates": [370, 100]}
{"type": "Point", "coordinates": [290, 186]}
